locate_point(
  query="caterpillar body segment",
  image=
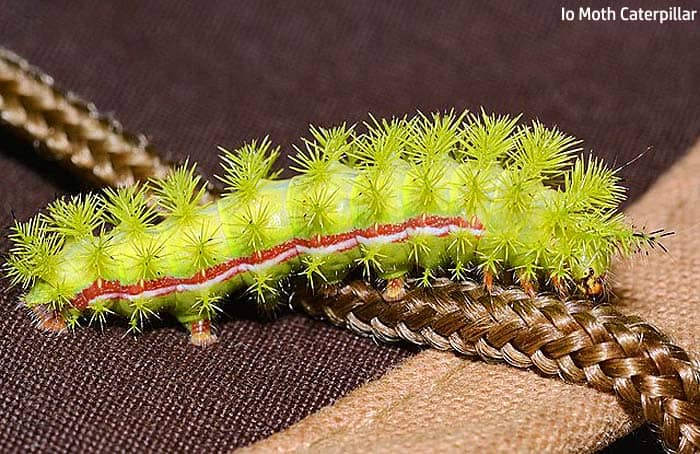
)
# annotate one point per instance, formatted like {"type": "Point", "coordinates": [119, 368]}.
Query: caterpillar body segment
{"type": "Point", "coordinates": [409, 197]}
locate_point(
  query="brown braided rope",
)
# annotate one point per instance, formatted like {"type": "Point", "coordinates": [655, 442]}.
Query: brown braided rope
{"type": "Point", "coordinates": [573, 339]}
{"type": "Point", "coordinates": [66, 129]}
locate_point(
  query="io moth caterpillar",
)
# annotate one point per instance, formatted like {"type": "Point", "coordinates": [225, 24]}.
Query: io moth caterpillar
{"type": "Point", "coordinates": [408, 197]}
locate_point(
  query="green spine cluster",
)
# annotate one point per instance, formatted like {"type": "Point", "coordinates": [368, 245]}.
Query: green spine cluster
{"type": "Point", "coordinates": [547, 211]}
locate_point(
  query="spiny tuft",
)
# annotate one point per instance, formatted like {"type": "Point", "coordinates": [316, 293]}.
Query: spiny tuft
{"type": "Point", "coordinates": [100, 311]}
{"type": "Point", "coordinates": [60, 295]}
{"type": "Point", "coordinates": [201, 244]}
{"type": "Point", "coordinates": [427, 187]}
{"type": "Point", "coordinates": [487, 138]}
{"type": "Point", "coordinates": [263, 289]}
{"type": "Point", "coordinates": [383, 144]}
{"type": "Point", "coordinates": [140, 313]}
{"type": "Point", "coordinates": [312, 270]}
{"type": "Point", "coordinates": [433, 137]}
{"type": "Point", "coordinates": [76, 217]}
{"type": "Point", "coordinates": [180, 193]}
{"type": "Point", "coordinates": [98, 255]}
{"type": "Point", "coordinates": [544, 152]}
{"type": "Point", "coordinates": [318, 208]}
{"type": "Point", "coordinates": [474, 188]}
{"type": "Point", "coordinates": [34, 252]}
{"type": "Point", "coordinates": [326, 148]}
{"type": "Point", "coordinates": [519, 189]}
{"type": "Point", "coordinates": [370, 259]}
{"type": "Point", "coordinates": [208, 306]}
{"type": "Point", "coordinates": [148, 252]}
{"type": "Point", "coordinates": [591, 185]}
{"type": "Point", "coordinates": [127, 209]}
{"type": "Point", "coordinates": [376, 192]}
{"type": "Point", "coordinates": [246, 167]}
{"type": "Point", "coordinates": [254, 222]}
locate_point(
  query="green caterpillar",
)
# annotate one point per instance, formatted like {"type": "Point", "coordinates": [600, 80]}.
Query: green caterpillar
{"type": "Point", "coordinates": [408, 197]}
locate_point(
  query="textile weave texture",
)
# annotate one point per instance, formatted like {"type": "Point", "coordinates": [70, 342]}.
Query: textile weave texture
{"type": "Point", "coordinates": [194, 77]}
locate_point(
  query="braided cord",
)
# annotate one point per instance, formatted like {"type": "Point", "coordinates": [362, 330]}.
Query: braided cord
{"type": "Point", "coordinates": [573, 339]}
{"type": "Point", "coordinates": [72, 132]}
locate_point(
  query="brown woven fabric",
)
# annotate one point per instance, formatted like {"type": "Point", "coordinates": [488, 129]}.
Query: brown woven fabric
{"type": "Point", "coordinates": [195, 77]}
{"type": "Point", "coordinates": [464, 405]}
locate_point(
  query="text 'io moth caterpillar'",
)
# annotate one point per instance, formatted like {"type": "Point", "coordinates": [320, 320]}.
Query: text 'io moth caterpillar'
{"type": "Point", "coordinates": [410, 197]}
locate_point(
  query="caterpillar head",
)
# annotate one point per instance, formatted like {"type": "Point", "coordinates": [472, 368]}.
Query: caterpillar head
{"type": "Point", "coordinates": [593, 285]}
{"type": "Point", "coordinates": [594, 258]}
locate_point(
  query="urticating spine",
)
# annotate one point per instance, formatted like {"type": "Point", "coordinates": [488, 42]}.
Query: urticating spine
{"type": "Point", "coordinates": [420, 195]}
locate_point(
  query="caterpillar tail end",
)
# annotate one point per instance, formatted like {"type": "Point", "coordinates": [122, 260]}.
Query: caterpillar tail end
{"type": "Point", "coordinates": [49, 320]}
{"type": "Point", "coordinates": [201, 333]}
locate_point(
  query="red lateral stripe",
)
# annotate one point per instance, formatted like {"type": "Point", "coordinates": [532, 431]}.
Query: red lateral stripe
{"type": "Point", "coordinates": [102, 287]}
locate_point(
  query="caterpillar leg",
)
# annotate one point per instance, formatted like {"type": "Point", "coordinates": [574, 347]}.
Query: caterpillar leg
{"type": "Point", "coordinates": [201, 333]}
{"type": "Point", "coordinates": [527, 285]}
{"type": "Point", "coordinates": [488, 280]}
{"type": "Point", "coordinates": [395, 289]}
{"type": "Point", "coordinates": [560, 286]}
{"type": "Point", "coordinates": [48, 319]}
{"type": "Point", "coordinates": [330, 290]}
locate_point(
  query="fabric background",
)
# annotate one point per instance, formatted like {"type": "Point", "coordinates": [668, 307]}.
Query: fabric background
{"type": "Point", "coordinates": [195, 76]}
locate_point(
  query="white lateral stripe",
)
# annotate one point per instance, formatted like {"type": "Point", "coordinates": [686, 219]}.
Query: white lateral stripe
{"type": "Point", "coordinates": [289, 254]}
